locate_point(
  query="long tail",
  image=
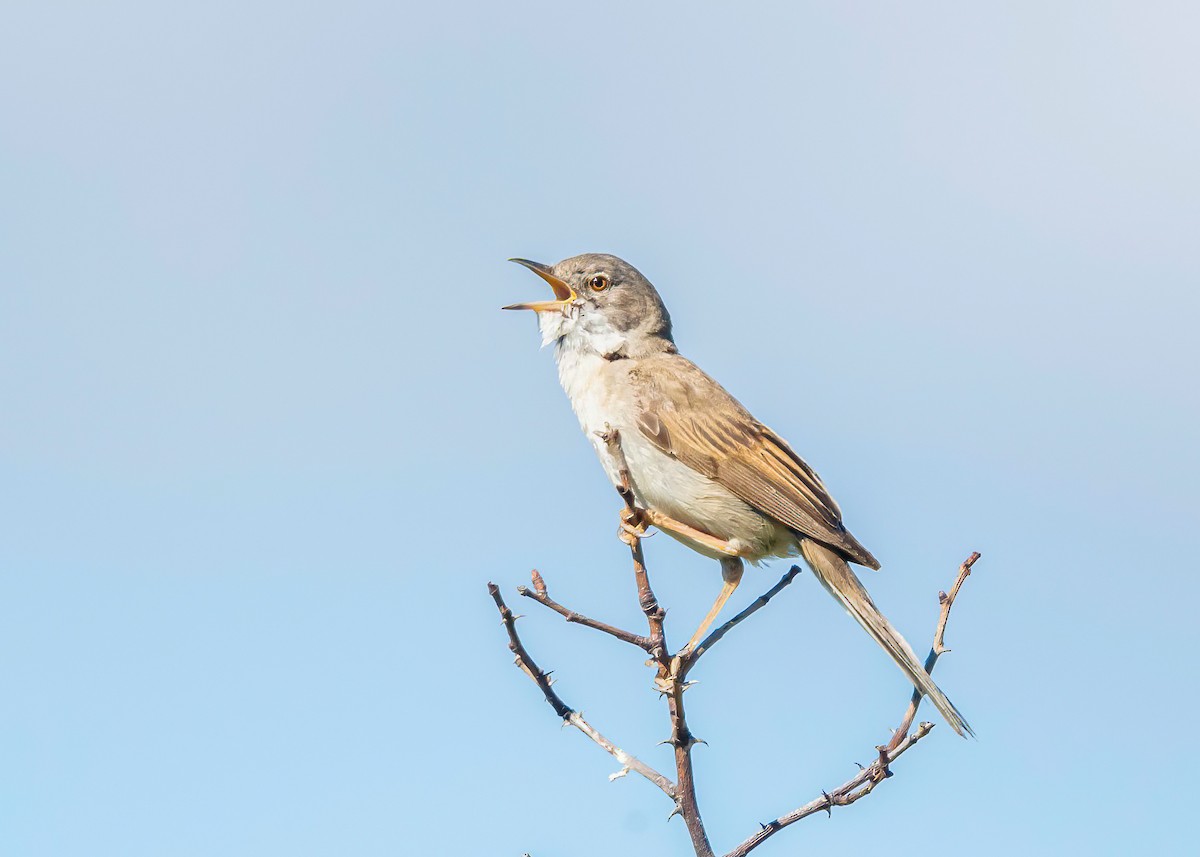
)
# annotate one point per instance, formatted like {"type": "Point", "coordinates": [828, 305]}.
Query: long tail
{"type": "Point", "coordinates": [842, 583]}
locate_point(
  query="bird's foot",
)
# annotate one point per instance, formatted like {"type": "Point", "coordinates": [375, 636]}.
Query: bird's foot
{"type": "Point", "coordinates": [633, 524]}
{"type": "Point", "coordinates": [681, 657]}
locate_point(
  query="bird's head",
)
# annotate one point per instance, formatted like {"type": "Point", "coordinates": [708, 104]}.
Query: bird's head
{"type": "Point", "coordinates": [601, 303]}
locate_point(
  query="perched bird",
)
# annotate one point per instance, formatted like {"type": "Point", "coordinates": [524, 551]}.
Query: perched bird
{"type": "Point", "coordinates": [709, 473]}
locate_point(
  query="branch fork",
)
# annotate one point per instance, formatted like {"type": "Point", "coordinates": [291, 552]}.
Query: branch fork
{"type": "Point", "coordinates": [671, 682]}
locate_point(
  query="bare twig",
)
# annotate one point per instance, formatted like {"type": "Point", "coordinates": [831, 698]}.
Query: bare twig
{"type": "Point", "coordinates": [682, 740]}
{"type": "Point", "coordinates": [939, 645]}
{"type": "Point", "coordinates": [568, 714]}
{"type": "Point", "coordinates": [758, 603]}
{"type": "Point", "coordinates": [858, 786]}
{"type": "Point", "coordinates": [541, 596]}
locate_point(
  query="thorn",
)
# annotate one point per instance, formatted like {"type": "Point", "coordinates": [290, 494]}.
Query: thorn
{"type": "Point", "coordinates": [518, 616]}
{"type": "Point", "coordinates": [686, 685]}
{"type": "Point", "coordinates": [861, 766]}
{"type": "Point", "coordinates": [664, 741]}
{"type": "Point", "coordinates": [676, 811]}
{"type": "Point", "coordinates": [828, 803]}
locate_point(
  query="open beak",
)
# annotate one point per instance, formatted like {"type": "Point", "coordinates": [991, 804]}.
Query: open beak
{"type": "Point", "coordinates": [563, 293]}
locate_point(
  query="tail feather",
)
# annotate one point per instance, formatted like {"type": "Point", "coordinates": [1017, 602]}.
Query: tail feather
{"type": "Point", "coordinates": [841, 582]}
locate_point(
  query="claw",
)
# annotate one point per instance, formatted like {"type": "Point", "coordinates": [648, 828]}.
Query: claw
{"type": "Point", "coordinates": [633, 522]}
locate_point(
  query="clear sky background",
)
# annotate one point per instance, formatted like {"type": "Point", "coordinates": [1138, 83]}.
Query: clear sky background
{"type": "Point", "coordinates": [266, 436]}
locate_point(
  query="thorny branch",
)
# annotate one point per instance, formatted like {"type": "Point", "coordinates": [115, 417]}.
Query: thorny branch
{"type": "Point", "coordinates": [671, 681]}
{"type": "Point", "coordinates": [758, 603]}
{"type": "Point", "coordinates": [541, 595]}
{"type": "Point", "coordinates": [668, 681]}
{"type": "Point", "coordinates": [847, 793]}
{"type": "Point", "coordinates": [939, 646]}
{"type": "Point", "coordinates": [568, 714]}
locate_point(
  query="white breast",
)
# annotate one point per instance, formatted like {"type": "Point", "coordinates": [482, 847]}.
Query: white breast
{"type": "Point", "coordinates": [594, 402]}
{"type": "Point", "coordinates": [601, 397]}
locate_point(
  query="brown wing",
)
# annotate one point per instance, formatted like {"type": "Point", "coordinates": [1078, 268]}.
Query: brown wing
{"type": "Point", "coordinates": [690, 417]}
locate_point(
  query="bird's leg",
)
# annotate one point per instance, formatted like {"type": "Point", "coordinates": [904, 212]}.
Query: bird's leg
{"type": "Point", "coordinates": [731, 573]}
{"type": "Point", "coordinates": [670, 525]}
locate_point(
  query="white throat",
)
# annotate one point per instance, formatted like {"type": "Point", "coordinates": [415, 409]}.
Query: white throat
{"type": "Point", "coordinates": [573, 330]}
{"type": "Point", "coordinates": [582, 369]}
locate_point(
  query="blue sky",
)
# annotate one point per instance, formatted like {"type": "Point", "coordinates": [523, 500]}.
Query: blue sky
{"type": "Point", "coordinates": [266, 435]}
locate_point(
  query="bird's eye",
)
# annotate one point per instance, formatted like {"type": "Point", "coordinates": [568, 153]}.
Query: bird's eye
{"type": "Point", "coordinates": [598, 283]}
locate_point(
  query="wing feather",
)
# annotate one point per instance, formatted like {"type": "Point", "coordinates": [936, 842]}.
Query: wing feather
{"type": "Point", "coordinates": [690, 417]}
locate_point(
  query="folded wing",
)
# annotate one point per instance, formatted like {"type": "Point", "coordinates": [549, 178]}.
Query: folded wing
{"type": "Point", "coordinates": [700, 424]}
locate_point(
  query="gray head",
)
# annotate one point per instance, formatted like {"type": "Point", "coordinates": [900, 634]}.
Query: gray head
{"type": "Point", "coordinates": [601, 304]}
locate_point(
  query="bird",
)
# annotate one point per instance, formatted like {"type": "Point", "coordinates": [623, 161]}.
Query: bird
{"type": "Point", "coordinates": [705, 470]}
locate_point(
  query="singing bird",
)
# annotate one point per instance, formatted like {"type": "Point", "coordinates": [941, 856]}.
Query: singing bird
{"type": "Point", "coordinates": [713, 476]}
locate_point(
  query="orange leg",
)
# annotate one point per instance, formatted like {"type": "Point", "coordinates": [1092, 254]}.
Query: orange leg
{"type": "Point", "coordinates": [670, 525]}
{"type": "Point", "coordinates": [731, 573]}
{"type": "Point", "coordinates": [731, 562]}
